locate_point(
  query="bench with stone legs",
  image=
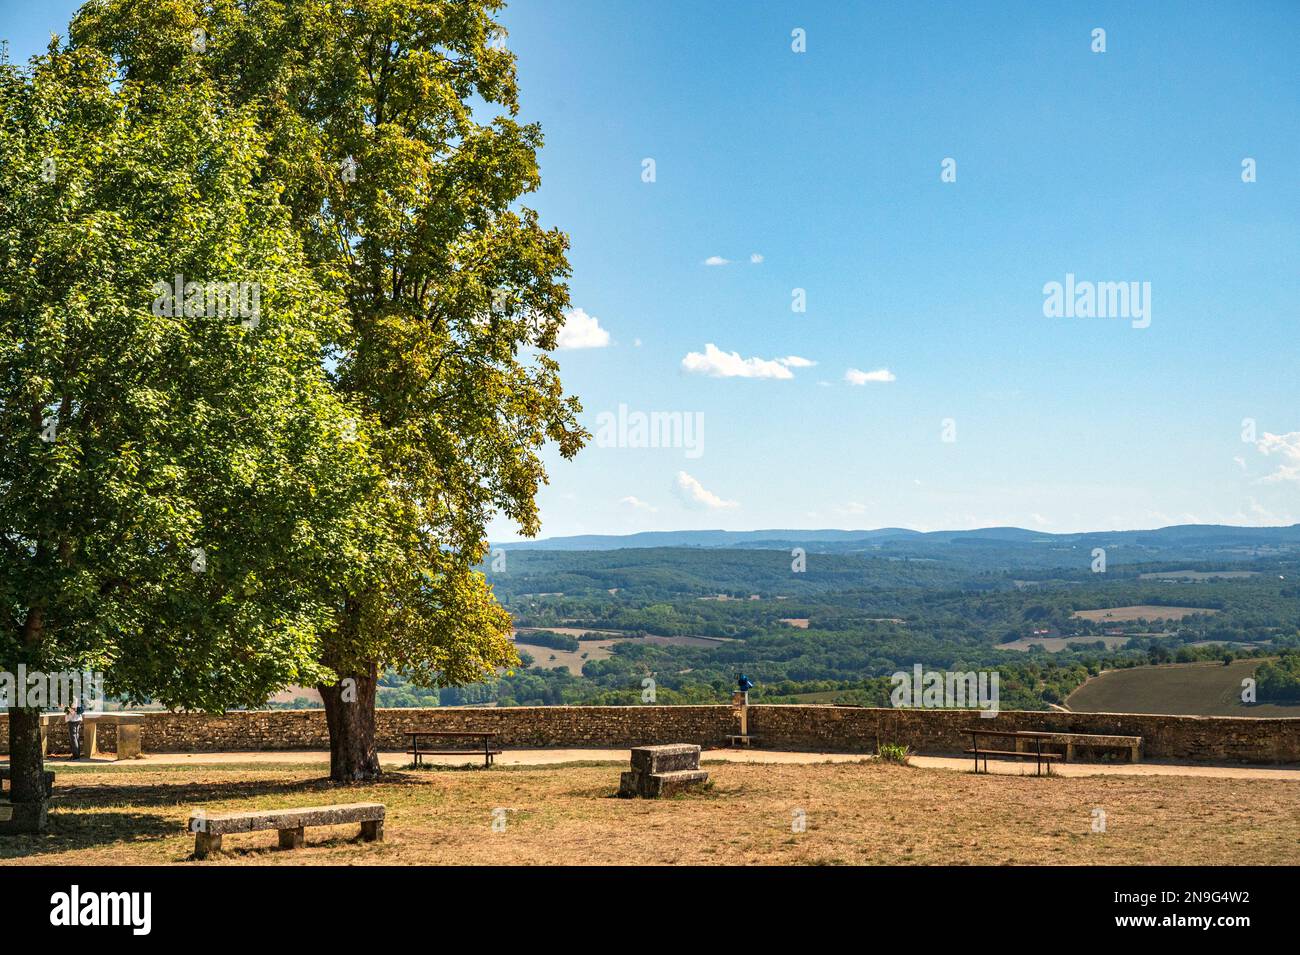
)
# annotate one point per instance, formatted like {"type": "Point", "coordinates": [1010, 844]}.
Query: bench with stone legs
{"type": "Point", "coordinates": [6, 781]}
{"type": "Point", "coordinates": [208, 830]}
{"type": "Point", "coordinates": [662, 771]}
{"type": "Point", "coordinates": [1131, 746]}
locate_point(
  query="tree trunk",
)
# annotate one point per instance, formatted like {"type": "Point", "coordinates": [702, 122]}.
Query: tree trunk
{"type": "Point", "coordinates": [350, 716]}
{"type": "Point", "coordinates": [26, 772]}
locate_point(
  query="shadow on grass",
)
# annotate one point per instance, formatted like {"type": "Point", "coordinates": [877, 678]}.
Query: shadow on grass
{"type": "Point", "coordinates": [82, 817]}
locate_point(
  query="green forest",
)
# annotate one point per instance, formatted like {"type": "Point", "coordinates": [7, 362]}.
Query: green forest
{"type": "Point", "coordinates": [869, 616]}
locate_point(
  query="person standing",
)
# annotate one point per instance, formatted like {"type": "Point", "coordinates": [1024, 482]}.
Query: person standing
{"type": "Point", "coordinates": [72, 716]}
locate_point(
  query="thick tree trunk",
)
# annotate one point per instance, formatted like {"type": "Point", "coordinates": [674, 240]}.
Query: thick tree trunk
{"type": "Point", "coordinates": [26, 772]}
{"type": "Point", "coordinates": [350, 715]}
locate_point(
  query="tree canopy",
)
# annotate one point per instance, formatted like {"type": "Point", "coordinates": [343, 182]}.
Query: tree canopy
{"type": "Point", "coordinates": [176, 481]}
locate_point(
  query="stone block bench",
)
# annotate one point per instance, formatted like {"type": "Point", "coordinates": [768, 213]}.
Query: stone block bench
{"type": "Point", "coordinates": [5, 778]}
{"type": "Point", "coordinates": [659, 771]}
{"type": "Point", "coordinates": [1130, 745]}
{"type": "Point", "coordinates": [208, 830]}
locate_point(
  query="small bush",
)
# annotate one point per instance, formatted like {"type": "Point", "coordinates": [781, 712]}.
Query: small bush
{"type": "Point", "coordinates": [895, 753]}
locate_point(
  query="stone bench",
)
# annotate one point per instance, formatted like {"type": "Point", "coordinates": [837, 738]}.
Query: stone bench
{"type": "Point", "coordinates": [1129, 744]}
{"type": "Point", "coordinates": [5, 776]}
{"type": "Point", "coordinates": [208, 830]}
{"type": "Point", "coordinates": [659, 771]}
{"type": "Point", "coordinates": [128, 729]}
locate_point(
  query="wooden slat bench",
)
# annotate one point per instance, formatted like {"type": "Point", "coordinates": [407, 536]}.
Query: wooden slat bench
{"type": "Point", "coordinates": [486, 750]}
{"type": "Point", "coordinates": [208, 830]}
{"type": "Point", "coordinates": [1020, 736]}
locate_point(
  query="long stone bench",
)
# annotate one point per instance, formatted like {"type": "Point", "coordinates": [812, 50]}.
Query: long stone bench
{"type": "Point", "coordinates": [1129, 744]}
{"type": "Point", "coordinates": [208, 830]}
{"type": "Point", "coordinates": [662, 771]}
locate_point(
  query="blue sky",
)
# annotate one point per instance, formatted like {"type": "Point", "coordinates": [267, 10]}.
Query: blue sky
{"type": "Point", "coordinates": [1121, 166]}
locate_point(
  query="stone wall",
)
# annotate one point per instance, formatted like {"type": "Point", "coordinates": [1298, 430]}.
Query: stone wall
{"type": "Point", "coordinates": [1184, 738]}
{"type": "Point", "coordinates": [815, 728]}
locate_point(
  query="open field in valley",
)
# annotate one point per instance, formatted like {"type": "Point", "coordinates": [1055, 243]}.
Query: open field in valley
{"type": "Point", "coordinates": [1199, 575]}
{"type": "Point", "coordinates": [1057, 644]}
{"type": "Point", "coordinates": [572, 660]}
{"type": "Point", "coordinates": [1140, 612]}
{"type": "Point", "coordinates": [858, 812]}
{"type": "Point", "coordinates": [1191, 689]}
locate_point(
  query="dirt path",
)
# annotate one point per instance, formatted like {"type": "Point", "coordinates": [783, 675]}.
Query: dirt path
{"type": "Point", "coordinates": [544, 757]}
{"type": "Point", "coordinates": [1026, 768]}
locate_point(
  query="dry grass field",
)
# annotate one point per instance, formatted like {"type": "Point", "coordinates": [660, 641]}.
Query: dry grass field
{"type": "Point", "coordinates": [1190, 689]}
{"type": "Point", "coordinates": [861, 812]}
{"type": "Point", "coordinates": [572, 660]}
{"type": "Point", "coordinates": [1140, 612]}
{"type": "Point", "coordinates": [1056, 644]}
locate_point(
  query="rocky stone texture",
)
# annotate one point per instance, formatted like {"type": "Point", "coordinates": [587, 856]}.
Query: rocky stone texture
{"type": "Point", "coordinates": [49, 780]}
{"type": "Point", "coordinates": [661, 785]}
{"type": "Point", "coordinates": [208, 830]}
{"type": "Point", "coordinates": [19, 818]}
{"type": "Point", "coordinates": [795, 727]}
{"type": "Point", "coordinates": [666, 758]}
{"type": "Point", "coordinates": [128, 740]}
{"type": "Point", "coordinates": [1185, 738]}
{"type": "Point", "coordinates": [664, 770]}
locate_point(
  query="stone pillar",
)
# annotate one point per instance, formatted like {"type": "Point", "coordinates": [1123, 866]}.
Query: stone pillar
{"type": "Point", "coordinates": [740, 702]}
{"type": "Point", "coordinates": [128, 740]}
{"type": "Point", "coordinates": [89, 736]}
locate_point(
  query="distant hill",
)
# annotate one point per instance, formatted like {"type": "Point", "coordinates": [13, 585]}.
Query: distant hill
{"type": "Point", "coordinates": [709, 539]}
{"type": "Point", "coordinates": [1184, 541]}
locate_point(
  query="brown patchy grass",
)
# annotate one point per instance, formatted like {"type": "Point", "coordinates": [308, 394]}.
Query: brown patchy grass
{"type": "Point", "coordinates": [1140, 612]}
{"type": "Point", "coordinates": [856, 813]}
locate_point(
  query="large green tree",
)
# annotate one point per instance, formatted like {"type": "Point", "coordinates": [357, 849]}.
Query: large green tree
{"type": "Point", "coordinates": [177, 478]}
{"type": "Point", "coordinates": [394, 134]}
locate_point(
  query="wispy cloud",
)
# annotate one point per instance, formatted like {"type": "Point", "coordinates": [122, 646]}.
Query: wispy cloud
{"type": "Point", "coordinates": [581, 331]}
{"type": "Point", "coordinates": [717, 260]}
{"type": "Point", "coordinates": [755, 257]}
{"type": "Point", "coordinates": [636, 504]}
{"type": "Point", "coordinates": [694, 494]}
{"type": "Point", "coordinates": [721, 364]}
{"type": "Point", "coordinates": [855, 376]}
{"type": "Point", "coordinates": [1285, 446]}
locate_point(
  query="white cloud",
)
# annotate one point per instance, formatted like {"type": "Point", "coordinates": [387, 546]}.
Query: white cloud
{"type": "Point", "coordinates": [717, 260]}
{"type": "Point", "coordinates": [755, 257]}
{"type": "Point", "coordinates": [721, 364]}
{"type": "Point", "coordinates": [855, 377]}
{"type": "Point", "coordinates": [581, 331]}
{"type": "Point", "coordinates": [637, 504]}
{"type": "Point", "coordinates": [694, 494]}
{"type": "Point", "coordinates": [1285, 446]}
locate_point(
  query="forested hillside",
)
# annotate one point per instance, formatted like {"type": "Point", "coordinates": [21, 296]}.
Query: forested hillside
{"type": "Point", "coordinates": [836, 629]}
